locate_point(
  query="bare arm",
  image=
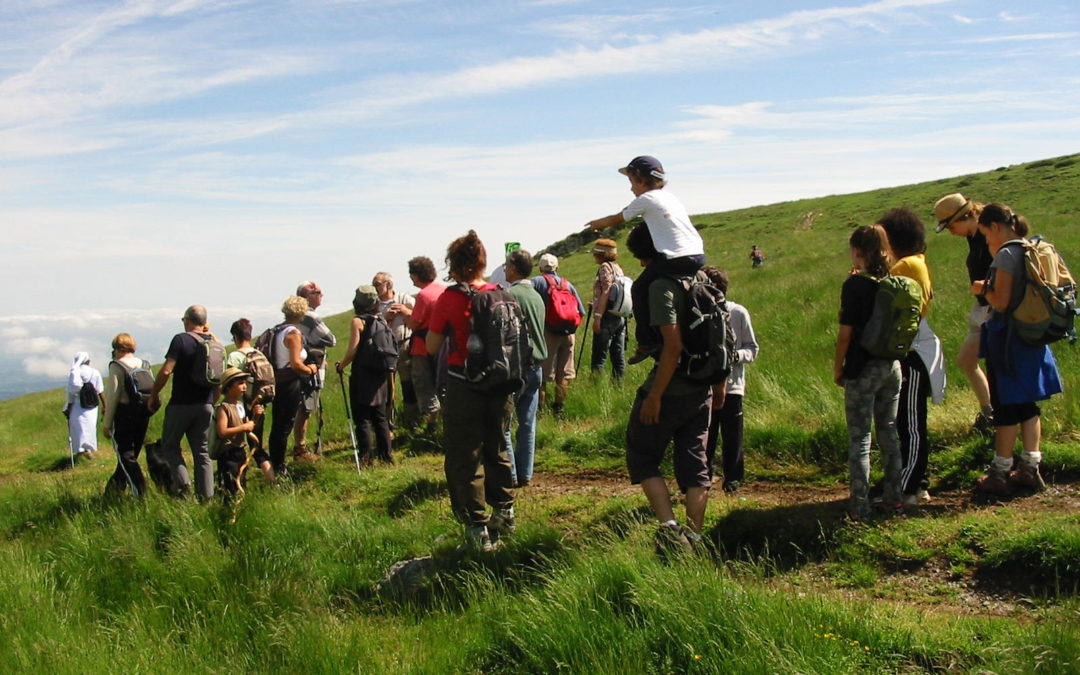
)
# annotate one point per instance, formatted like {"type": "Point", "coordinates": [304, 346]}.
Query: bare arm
{"type": "Point", "coordinates": [606, 221]}
{"type": "Point", "coordinates": [665, 370]}
{"type": "Point", "coordinates": [1000, 294]}
{"type": "Point", "coordinates": [434, 343]}
{"type": "Point", "coordinates": [154, 402]}
{"type": "Point", "coordinates": [356, 327]}
{"type": "Point", "coordinates": [295, 344]}
{"type": "Point", "coordinates": [221, 421]}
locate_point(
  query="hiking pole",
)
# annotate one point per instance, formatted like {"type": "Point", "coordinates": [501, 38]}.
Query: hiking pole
{"type": "Point", "coordinates": [120, 464]}
{"type": "Point", "coordinates": [318, 435]}
{"type": "Point", "coordinates": [348, 417]}
{"type": "Point", "coordinates": [585, 339]}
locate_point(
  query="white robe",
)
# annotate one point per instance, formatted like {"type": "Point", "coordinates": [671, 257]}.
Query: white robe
{"type": "Point", "coordinates": [82, 422]}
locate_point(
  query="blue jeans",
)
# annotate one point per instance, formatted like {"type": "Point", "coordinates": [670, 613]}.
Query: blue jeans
{"type": "Point", "coordinates": [523, 450]}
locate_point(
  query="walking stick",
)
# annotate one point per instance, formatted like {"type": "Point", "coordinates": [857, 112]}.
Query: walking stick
{"type": "Point", "coordinates": [120, 464]}
{"type": "Point", "coordinates": [318, 436]}
{"type": "Point", "coordinates": [585, 339]}
{"type": "Point", "coordinates": [348, 417]}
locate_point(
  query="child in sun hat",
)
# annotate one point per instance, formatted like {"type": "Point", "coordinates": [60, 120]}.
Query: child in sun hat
{"type": "Point", "coordinates": [680, 249]}
{"type": "Point", "coordinates": [232, 430]}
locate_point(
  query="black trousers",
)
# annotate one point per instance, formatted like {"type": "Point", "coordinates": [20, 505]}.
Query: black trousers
{"type": "Point", "coordinates": [727, 424]}
{"type": "Point", "coordinates": [287, 400]}
{"type": "Point", "coordinates": [129, 434]}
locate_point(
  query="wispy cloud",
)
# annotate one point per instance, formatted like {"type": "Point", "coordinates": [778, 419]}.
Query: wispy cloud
{"type": "Point", "coordinates": [1028, 37]}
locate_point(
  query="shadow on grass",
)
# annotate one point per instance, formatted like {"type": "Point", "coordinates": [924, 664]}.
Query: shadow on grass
{"type": "Point", "coordinates": [415, 493]}
{"type": "Point", "coordinates": [788, 536]}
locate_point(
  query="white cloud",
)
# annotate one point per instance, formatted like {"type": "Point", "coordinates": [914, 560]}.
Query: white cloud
{"type": "Point", "coordinates": [1029, 37]}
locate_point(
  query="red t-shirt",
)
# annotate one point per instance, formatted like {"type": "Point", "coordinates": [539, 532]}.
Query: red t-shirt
{"type": "Point", "coordinates": [421, 314]}
{"type": "Point", "coordinates": [451, 319]}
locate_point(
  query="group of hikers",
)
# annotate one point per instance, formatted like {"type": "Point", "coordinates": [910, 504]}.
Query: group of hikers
{"type": "Point", "coordinates": [473, 355]}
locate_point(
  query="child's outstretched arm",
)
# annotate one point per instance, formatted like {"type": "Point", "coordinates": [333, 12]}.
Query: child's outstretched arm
{"type": "Point", "coordinates": [607, 221]}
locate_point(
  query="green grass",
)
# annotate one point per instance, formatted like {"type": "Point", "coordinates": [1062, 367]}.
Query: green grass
{"type": "Point", "coordinates": [286, 580]}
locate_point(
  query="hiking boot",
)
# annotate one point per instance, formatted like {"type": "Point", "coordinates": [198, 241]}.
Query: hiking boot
{"type": "Point", "coordinates": [557, 410]}
{"type": "Point", "coordinates": [303, 454]}
{"type": "Point", "coordinates": [923, 496]}
{"type": "Point", "coordinates": [501, 524]}
{"type": "Point", "coordinates": [477, 538]}
{"type": "Point", "coordinates": [994, 482]}
{"type": "Point", "coordinates": [671, 540]}
{"type": "Point", "coordinates": [731, 487]}
{"type": "Point", "coordinates": [1027, 476]}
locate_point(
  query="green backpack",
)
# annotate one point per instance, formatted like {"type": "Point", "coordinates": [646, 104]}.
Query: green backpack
{"type": "Point", "coordinates": [895, 320]}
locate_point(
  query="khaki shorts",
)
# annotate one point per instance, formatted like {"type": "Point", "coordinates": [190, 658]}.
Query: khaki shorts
{"type": "Point", "coordinates": [976, 318]}
{"type": "Point", "coordinates": [559, 365]}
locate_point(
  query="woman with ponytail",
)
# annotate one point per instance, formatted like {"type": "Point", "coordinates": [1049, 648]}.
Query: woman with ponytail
{"type": "Point", "coordinates": [1019, 374]}
{"type": "Point", "coordinates": [871, 384]}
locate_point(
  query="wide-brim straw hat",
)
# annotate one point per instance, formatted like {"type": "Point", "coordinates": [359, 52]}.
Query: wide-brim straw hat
{"type": "Point", "coordinates": [950, 208]}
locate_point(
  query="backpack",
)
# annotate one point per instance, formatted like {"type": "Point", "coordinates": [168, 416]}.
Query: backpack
{"type": "Point", "coordinates": [561, 314]}
{"type": "Point", "coordinates": [708, 338]}
{"type": "Point", "coordinates": [378, 351]}
{"type": "Point", "coordinates": [259, 368]}
{"type": "Point", "coordinates": [88, 396]}
{"type": "Point", "coordinates": [1047, 311]}
{"type": "Point", "coordinates": [138, 384]}
{"type": "Point", "coordinates": [208, 364]}
{"type": "Point", "coordinates": [620, 303]}
{"type": "Point", "coordinates": [498, 342]}
{"type": "Point", "coordinates": [894, 321]}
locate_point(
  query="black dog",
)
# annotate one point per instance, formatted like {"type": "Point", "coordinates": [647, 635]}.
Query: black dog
{"type": "Point", "coordinates": [158, 468]}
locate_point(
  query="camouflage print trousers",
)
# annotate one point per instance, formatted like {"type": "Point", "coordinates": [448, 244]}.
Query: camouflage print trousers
{"type": "Point", "coordinates": [873, 395]}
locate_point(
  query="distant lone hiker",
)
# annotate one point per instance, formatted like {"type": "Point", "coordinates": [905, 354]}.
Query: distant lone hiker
{"type": "Point", "coordinates": [757, 257]}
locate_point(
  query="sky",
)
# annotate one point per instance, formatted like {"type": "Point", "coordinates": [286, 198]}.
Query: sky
{"type": "Point", "coordinates": [160, 153]}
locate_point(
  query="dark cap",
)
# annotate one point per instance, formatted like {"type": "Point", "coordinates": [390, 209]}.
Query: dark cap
{"type": "Point", "coordinates": [645, 165]}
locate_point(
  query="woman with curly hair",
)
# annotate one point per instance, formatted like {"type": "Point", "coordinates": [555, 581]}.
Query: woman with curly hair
{"type": "Point", "coordinates": [288, 356]}
{"type": "Point", "coordinates": [477, 464]}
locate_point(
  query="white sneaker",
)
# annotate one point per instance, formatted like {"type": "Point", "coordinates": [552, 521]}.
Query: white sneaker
{"type": "Point", "coordinates": [924, 496]}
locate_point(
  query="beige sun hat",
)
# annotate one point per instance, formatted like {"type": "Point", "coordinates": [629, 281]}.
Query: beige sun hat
{"type": "Point", "coordinates": [949, 208]}
{"type": "Point", "coordinates": [230, 375]}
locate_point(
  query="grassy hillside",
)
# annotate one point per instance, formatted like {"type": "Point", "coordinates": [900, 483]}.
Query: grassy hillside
{"type": "Point", "coordinates": [286, 579]}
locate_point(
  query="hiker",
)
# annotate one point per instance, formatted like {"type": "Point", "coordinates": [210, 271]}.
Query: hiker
{"type": "Point", "coordinates": [922, 371]}
{"type": "Point", "coordinates": [871, 384]}
{"type": "Point", "coordinates": [608, 328]}
{"type": "Point", "coordinates": [1019, 374]}
{"type": "Point", "coordinates": [960, 216]}
{"type": "Point", "coordinates": [317, 339]}
{"type": "Point", "coordinates": [190, 406]}
{"type": "Point", "coordinates": [396, 308]}
{"type": "Point", "coordinates": [669, 408]}
{"type": "Point", "coordinates": [264, 394]}
{"type": "Point", "coordinates": [289, 358]}
{"type": "Point", "coordinates": [424, 367]}
{"type": "Point", "coordinates": [85, 391]}
{"type": "Point", "coordinates": [126, 420]}
{"type": "Point", "coordinates": [519, 267]}
{"type": "Point", "coordinates": [757, 257]}
{"type": "Point", "coordinates": [477, 464]}
{"type": "Point", "coordinates": [369, 391]}
{"type": "Point", "coordinates": [680, 249]}
{"type": "Point", "coordinates": [726, 422]}
{"type": "Point", "coordinates": [563, 312]}
{"type": "Point", "coordinates": [240, 330]}
{"type": "Point", "coordinates": [233, 433]}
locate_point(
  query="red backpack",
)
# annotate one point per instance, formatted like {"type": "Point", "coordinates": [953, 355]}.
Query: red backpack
{"type": "Point", "coordinates": [562, 314]}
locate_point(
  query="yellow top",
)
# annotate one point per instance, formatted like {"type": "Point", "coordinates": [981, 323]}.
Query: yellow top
{"type": "Point", "coordinates": [914, 267]}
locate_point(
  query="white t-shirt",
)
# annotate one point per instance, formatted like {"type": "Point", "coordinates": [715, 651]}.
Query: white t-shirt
{"type": "Point", "coordinates": [281, 352]}
{"type": "Point", "coordinates": [672, 233]}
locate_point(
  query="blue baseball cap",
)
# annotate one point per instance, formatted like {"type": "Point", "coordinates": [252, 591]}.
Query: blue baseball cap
{"type": "Point", "coordinates": [645, 165]}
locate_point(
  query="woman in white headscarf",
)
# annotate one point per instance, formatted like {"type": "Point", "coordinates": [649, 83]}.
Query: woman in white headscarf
{"type": "Point", "coordinates": [82, 417]}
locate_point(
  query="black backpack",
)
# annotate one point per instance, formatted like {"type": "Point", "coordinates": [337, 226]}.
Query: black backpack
{"type": "Point", "coordinates": [138, 384]}
{"type": "Point", "coordinates": [88, 396]}
{"type": "Point", "coordinates": [208, 364]}
{"type": "Point", "coordinates": [707, 337]}
{"type": "Point", "coordinates": [378, 352]}
{"type": "Point", "coordinates": [498, 343]}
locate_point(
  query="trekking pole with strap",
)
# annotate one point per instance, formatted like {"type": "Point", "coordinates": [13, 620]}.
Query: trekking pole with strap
{"type": "Point", "coordinates": [349, 419]}
{"type": "Point", "coordinates": [585, 338]}
{"type": "Point", "coordinates": [120, 464]}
